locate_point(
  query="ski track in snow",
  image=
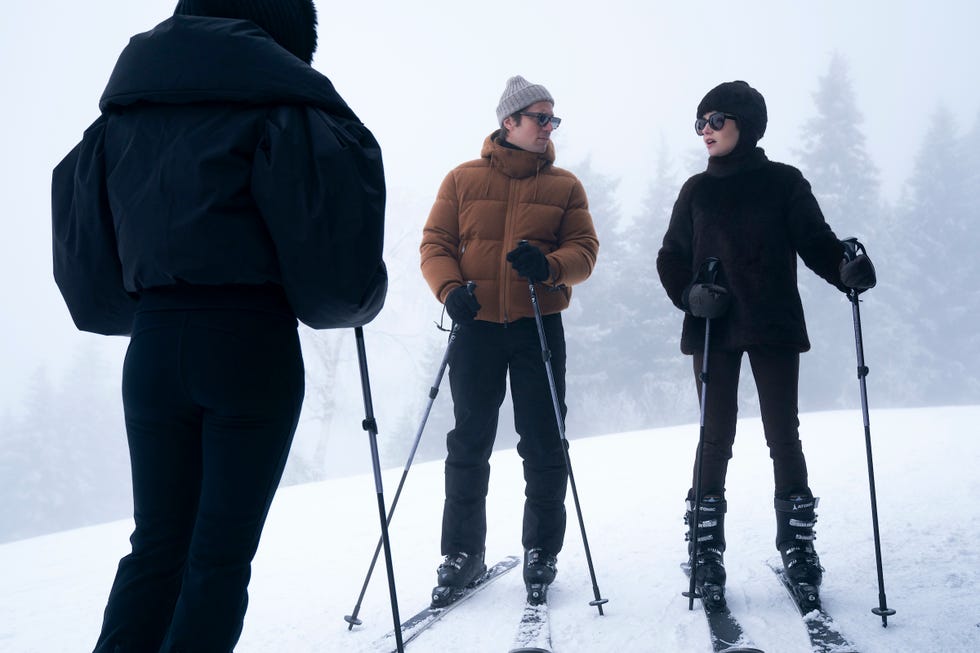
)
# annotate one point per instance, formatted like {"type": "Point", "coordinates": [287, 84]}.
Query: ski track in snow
{"type": "Point", "coordinates": [319, 539]}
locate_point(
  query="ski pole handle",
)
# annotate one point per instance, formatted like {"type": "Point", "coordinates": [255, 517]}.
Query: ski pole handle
{"type": "Point", "coordinates": [852, 249]}
{"type": "Point", "coordinates": [708, 271]}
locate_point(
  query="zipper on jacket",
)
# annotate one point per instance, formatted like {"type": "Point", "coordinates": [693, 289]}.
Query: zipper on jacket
{"type": "Point", "coordinates": [509, 218]}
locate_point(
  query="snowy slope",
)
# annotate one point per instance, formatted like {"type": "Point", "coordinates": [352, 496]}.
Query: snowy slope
{"type": "Point", "coordinates": [320, 536]}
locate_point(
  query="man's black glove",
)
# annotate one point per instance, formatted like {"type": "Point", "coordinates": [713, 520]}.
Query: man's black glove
{"type": "Point", "coordinates": [858, 273]}
{"type": "Point", "coordinates": [461, 305]}
{"type": "Point", "coordinates": [530, 262]}
{"type": "Point", "coordinates": [707, 300]}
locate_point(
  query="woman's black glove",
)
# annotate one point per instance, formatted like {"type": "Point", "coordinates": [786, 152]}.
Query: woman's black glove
{"type": "Point", "coordinates": [856, 269]}
{"type": "Point", "coordinates": [530, 262]}
{"type": "Point", "coordinates": [461, 305]}
{"type": "Point", "coordinates": [858, 273]}
{"type": "Point", "coordinates": [707, 300]}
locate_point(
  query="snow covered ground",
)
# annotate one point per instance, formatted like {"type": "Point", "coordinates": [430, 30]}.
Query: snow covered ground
{"type": "Point", "coordinates": [319, 538]}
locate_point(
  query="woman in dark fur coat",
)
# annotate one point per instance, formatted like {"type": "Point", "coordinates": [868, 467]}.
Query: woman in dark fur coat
{"type": "Point", "coordinates": [754, 216]}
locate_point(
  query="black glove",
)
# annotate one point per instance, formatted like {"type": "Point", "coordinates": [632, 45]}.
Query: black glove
{"type": "Point", "coordinates": [858, 273]}
{"type": "Point", "coordinates": [530, 262]}
{"type": "Point", "coordinates": [707, 300]}
{"type": "Point", "coordinates": [461, 305]}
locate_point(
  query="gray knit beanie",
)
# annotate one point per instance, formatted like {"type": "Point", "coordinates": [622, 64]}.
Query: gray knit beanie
{"type": "Point", "coordinates": [520, 94]}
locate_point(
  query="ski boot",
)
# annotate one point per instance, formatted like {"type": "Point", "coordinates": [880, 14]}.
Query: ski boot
{"type": "Point", "coordinates": [710, 574]}
{"type": "Point", "coordinates": [795, 518]}
{"type": "Point", "coordinates": [456, 572]}
{"type": "Point", "coordinates": [540, 569]}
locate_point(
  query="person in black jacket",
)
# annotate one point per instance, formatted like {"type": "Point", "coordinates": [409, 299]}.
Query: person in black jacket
{"type": "Point", "coordinates": [754, 216]}
{"type": "Point", "coordinates": [225, 191]}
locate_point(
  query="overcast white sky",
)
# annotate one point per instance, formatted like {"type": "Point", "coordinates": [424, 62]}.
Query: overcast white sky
{"type": "Point", "coordinates": [425, 77]}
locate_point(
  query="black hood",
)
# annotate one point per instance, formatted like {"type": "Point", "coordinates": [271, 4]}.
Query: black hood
{"type": "Point", "coordinates": [189, 59]}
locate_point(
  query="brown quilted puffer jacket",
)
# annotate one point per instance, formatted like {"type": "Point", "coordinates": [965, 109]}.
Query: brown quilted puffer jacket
{"type": "Point", "coordinates": [485, 207]}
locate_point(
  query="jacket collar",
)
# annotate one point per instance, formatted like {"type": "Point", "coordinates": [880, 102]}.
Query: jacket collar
{"type": "Point", "coordinates": [736, 162]}
{"type": "Point", "coordinates": [187, 59]}
{"type": "Point", "coordinates": [514, 162]}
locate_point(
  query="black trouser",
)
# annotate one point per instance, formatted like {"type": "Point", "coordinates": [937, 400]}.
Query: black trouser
{"type": "Point", "coordinates": [212, 399]}
{"type": "Point", "coordinates": [776, 372]}
{"type": "Point", "coordinates": [478, 367]}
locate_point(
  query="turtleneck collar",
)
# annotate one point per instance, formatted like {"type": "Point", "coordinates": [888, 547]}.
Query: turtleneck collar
{"type": "Point", "coordinates": [736, 162]}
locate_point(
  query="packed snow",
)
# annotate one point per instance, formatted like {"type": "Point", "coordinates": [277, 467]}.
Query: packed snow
{"type": "Point", "coordinates": [319, 539]}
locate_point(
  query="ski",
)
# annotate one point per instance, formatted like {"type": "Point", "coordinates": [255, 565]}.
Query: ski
{"type": "Point", "coordinates": [415, 625]}
{"type": "Point", "coordinates": [820, 626]}
{"type": "Point", "coordinates": [727, 635]}
{"type": "Point", "coordinates": [534, 630]}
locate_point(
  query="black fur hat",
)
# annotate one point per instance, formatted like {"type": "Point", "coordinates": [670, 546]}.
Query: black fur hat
{"type": "Point", "coordinates": [740, 99]}
{"type": "Point", "coordinates": [291, 23]}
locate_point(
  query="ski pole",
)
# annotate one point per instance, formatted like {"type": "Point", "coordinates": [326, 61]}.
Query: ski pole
{"type": "Point", "coordinates": [692, 592]}
{"type": "Point", "coordinates": [371, 426]}
{"type": "Point", "coordinates": [433, 392]}
{"type": "Point", "coordinates": [851, 250]}
{"type": "Point", "coordinates": [546, 355]}
{"type": "Point", "coordinates": [710, 270]}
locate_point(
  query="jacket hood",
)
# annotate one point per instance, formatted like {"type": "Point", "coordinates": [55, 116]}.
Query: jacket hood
{"type": "Point", "coordinates": [190, 59]}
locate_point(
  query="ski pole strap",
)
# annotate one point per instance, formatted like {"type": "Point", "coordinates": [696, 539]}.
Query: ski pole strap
{"type": "Point", "coordinates": [852, 248]}
{"type": "Point", "coordinates": [708, 271]}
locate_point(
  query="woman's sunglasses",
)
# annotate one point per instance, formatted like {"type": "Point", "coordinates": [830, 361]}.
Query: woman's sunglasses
{"type": "Point", "coordinates": [715, 120]}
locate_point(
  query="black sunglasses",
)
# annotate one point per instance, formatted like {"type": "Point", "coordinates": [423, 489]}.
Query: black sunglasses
{"type": "Point", "coordinates": [716, 120]}
{"type": "Point", "coordinates": [543, 119]}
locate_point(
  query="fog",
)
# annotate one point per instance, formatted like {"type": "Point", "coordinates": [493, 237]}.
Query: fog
{"type": "Point", "coordinates": [426, 77]}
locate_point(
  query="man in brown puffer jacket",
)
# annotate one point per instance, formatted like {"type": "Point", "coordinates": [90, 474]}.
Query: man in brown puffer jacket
{"type": "Point", "coordinates": [484, 210]}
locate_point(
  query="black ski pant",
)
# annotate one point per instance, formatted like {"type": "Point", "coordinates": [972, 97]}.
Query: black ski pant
{"type": "Point", "coordinates": [483, 355]}
{"type": "Point", "coordinates": [776, 372]}
{"type": "Point", "coordinates": [211, 399]}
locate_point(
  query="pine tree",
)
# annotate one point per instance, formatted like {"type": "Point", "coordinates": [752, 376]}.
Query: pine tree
{"type": "Point", "coordinates": [967, 266]}
{"type": "Point", "coordinates": [598, 394]}
{"type": "Point", "coordinates": [624, 358]}
{"type": "Point", "coordinates": [24, 461]}
{"type": "Point", "coordinates": [432, 445]}
{"type": "Point", "coordinates": [936, 227]}
{"type": "Point", "coordinates": [845, 183]}
{"type": "Point", "coordinates": [834, 156]}
{"type": "Point", "coordinates": [663, 374]}
{"type": "Point", "coordinates": [322, 352]}
{"type": "Point", "coordinates": [65, 459]}
{"type": "Point", "coordinates": [92, 471]}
